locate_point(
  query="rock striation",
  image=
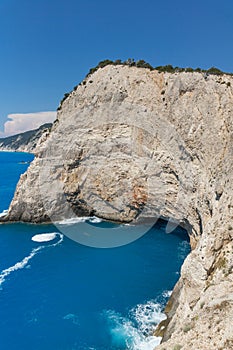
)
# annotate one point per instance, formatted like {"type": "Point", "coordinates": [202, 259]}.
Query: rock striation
{"type": "Point", "coordinates": [24, 142]}
{"type": "Point", "coordinates": [134, 144]}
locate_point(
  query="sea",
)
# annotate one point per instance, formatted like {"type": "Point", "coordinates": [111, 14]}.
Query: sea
{"type": "Point", "coordinates": [57, 294]}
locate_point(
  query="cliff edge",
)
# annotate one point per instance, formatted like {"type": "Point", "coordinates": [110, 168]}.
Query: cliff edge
{"type": "Point", "coordinates": [131, 143]}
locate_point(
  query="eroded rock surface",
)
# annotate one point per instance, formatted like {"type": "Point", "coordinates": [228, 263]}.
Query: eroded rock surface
{"type": "Point", "coordinates": [133, 143]}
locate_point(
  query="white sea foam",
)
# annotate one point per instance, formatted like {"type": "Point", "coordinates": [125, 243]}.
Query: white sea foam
{"type": "Point", "coordinates": [3, 213]}
{"type": "Point", "coordinates": [147, 316]}
{"type": "Point", "coordinates": [23, 263]}
{"type": "Point", "coordinates": [148, 343]}
{"type": "Point", "coordinates": [95, 220]}
{"type": "Point", "coordinates": [135, 332]}
{"type": "Point", "coordinates": [167, 293]}
{"type": "Point", "coordinates": [44, 237]}
{"type": "Point", "coordinates": [73, 318]}
{"type": "Point", "coordinates": [183, 249]}
{"type": "Point", "coordinates": [76, 220]}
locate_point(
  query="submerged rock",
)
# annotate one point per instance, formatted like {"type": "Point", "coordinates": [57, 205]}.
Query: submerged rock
{"type": "Point", "coordinates": [134, 144]}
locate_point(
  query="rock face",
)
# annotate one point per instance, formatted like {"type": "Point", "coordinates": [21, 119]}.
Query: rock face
{"type": "Point", "coordinates": [24, 142]}
{"type": "Point", "coordinates": [133, 143]}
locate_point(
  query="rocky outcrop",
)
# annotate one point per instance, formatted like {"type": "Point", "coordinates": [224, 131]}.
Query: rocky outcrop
{"type": "Point", "coordinates": [24, 142]}
{"type": "Point", "coordinates": [132, 143]}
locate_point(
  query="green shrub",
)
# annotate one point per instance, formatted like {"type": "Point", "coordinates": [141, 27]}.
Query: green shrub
{"type": "Point", "coordinates": [104, 63]}
{"type": "Point", "coordinates": [117, 62]}
{"type": "Point", "coordinates": [143, 64]}
{"type": "Point", "coordinates": [129, 62]}
{"type": "Point", "coordinates": [215, 71]}
{"type": "Point", "coordinates": [191, 70]}
{"type": "Point", "coordinates": [168, 68]}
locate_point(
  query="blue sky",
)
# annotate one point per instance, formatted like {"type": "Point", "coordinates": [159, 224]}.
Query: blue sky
{"type": "Point", "coordinates": [47, 46]}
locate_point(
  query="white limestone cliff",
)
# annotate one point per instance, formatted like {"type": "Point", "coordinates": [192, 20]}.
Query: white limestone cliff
{"type": "Point", "coordinates": [133, 143]}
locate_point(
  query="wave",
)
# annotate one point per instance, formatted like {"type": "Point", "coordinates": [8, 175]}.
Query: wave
{"type": "Point", "coordinates": [94, 220]}
{"type": "Point", "coordinates": [167, 293]}
{"type": "Point", "coordinates": [183, 249]}
{"type": "Point", "coordinates": [148, 316]}
{"type": "Point", "coordinates": [76, 220]}
{"type": "Point", "coordinates": [44, 237]}
{"type": "Point", "coordinates": [135, 332]}
{"type": "Point", "coordinates": [3, 213]}
{"type": "Point", "coordinates": [73, 318]}
{"type": "Point", "coordinates": [21, 264]}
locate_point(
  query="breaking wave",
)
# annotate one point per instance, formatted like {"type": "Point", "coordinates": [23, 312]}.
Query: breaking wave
{"type": "Point", "coordinates": [23, 263]}
{"type": "Point", "coordinates": [3, 213]}
{"type": "Point", "coordinates": [76, 220]}
{"type": "Point", "coordinates": [167, 293]}
{"type": "Point", "coordinates": [44, 237]}
{"type": "Point", "coordinates": [135, 332]}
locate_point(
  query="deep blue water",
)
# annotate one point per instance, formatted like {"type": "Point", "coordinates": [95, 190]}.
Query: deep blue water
{"type": "Point", "coordinates": [60, 295]}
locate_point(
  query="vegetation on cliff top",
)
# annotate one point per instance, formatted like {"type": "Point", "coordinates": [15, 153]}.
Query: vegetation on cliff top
{"type": "Point", "coordinates": [130, 62]}
{"type": "Point", "coordinates": [142, 64]}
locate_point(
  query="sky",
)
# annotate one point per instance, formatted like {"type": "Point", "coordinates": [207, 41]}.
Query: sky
{"type": "Point", "coordinates": [48, 46]}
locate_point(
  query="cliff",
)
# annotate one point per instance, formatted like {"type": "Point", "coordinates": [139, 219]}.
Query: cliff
{"type": "Point", "coordinates": [133, 143]}
{"type": "Point", "coordinates": [24, 142]}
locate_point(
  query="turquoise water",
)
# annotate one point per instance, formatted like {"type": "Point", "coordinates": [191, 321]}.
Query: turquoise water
{"type": "Point", "coordinates": [60, 295]}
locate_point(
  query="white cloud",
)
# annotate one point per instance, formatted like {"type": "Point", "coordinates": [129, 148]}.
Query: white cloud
{"type": "Point", "coordinates": [26, 121]}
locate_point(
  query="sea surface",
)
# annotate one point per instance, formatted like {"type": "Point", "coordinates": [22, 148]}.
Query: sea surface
{"type": "Point", "coordinates": [56, 294]}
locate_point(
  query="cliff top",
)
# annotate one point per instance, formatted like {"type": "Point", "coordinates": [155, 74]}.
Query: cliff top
{"type": "Point", "coordinates": [143, 64]}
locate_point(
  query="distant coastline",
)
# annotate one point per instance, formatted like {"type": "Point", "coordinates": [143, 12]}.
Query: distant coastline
{"type": "Point", "coordinates": [25, 142]}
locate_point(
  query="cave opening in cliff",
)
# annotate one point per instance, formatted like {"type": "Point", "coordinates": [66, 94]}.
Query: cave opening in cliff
{"type": "Point", "coordinates": [171, 227]}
